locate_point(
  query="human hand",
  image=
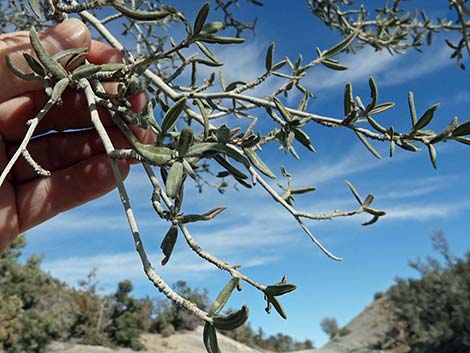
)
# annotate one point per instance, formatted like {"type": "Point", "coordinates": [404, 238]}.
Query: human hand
{"type": "Point", "coordinates": [79, 165]}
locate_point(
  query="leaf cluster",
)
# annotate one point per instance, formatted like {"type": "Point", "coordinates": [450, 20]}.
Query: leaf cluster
{"type": "Point", "coordinates": [208, 126]}
{"type": "Point", "coordinates": [394, 26]}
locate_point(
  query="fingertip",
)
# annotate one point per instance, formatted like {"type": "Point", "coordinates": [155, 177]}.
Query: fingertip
{"type": "Point", "coordinates": [101, 53]}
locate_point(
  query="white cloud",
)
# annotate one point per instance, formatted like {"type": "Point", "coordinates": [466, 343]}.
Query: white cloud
{"type": "Point", "coordinates": [425, 212]}
{"type": "Point", "coordinates": [388, 70]}
{"type": "Point", "coordinates": [415, 66]}
{"type": "Point", "coordinates": [111, 268]}
{"type": "Point", "coordinates": [367, 62]}
{"type": "Point", "coordinates": [354, 162]}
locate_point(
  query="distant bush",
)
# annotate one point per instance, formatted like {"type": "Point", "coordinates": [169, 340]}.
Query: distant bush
{"type": "Point", "coordinates": [275, 343]}
{"type": "Point", "coordinates": [378, 295]}
{"type": "Point", "coordinates": [35, 309]}
{"type": "Point", "coordinates": [436, 307]}
{"type": "Point", "coordinates": [330, 326]}
{"type": "Point", "coordinates": [168, 313]}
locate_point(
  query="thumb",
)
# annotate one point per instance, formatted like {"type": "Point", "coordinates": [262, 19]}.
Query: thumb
{"type": "Point", "coordinates": [69, 34]}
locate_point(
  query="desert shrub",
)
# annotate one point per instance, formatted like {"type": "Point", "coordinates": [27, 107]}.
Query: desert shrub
{"type": "Point", "coordinates": [173, 315]}
{"type": "Point", "coordinates": [436, 307]}
{"type": "Point", "coordinates": [378, 295]}
{"type": "Point", "coordinates": [194, 126]}
{"type": "Point", "coordinates": [275, 343]}
{"type": "Point", "coordinates": [330, 326]}
{"type": "Point", "coordinates": [126, 324]}
{"type": "Point", "coordinates": [35, 308]}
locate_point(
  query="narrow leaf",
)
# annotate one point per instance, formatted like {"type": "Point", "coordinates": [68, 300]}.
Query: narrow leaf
{"type": "Point", "coordinates": [333, 65]}
{"type": "Point", "coordinates": [462, 130]}
{"type": "Point", "coordinates": [223, 297]}
{"type": "Point", "coordinates": [304, 139]}
{"type": "Point", "coordinates": [59, 89]}
{"type": "Point", "coordinates": [368, 200]}
{"type": "Point", "coordinates": [379, 108]}
{"type": "Point", "coordinates": [446, 133]}
{"type": "Point", "coordinates": [282, 109]}
{"type": "Point", "coordinates": [277, 305]}
{"type": "Point", "coordinates": [230, 168]}
{"type": "Point", "coordinates": [303, 190]}
{"type": "Point", "coordinates": [173, 114]}
{"type": "Point", "coordinates": [185, 140]}
{"type": "Point", "coordinates": [279, 289]}
{"type": "Point", "coordinates": [204, 217]}
{"type": "Point", "coordinates": [372, 221]}
{"type": "Point", "coordinates": [375, 124]}
{"type": "Point", "coordinates": [51, 65]}
{"type": "Point", "coordinates": [205, 117]}
{"type": "Point", "coordinates": [210, 339]}
{"type": "Point", "coordinates": [201, 18]}
{"type": "Point", "coordinates": [340, 46]}
{"type": "Point", "coordinates": [168, 243]}
{"type": "Point", "coordinates": [221, 40]}
{"type": "Point", "coordinates": [269, 57]}
{"type": "Point", "coordinates": [425, 119]}
{"type": "Point", "coordinates": [374, 94]}
{"type": "Point", "coordinates": [258, 163]}
{"type": "Point", "coordinates": [374, 212]}
{"type": "Point", "coordinates": [354, 192]}
{"type": "Point", "coordinates": [34, 65]}
{"type": "Point", "coordinates": [140, 15]}
{"type": "Point", "coordinates": [432, 155]}
{"type": "Point", "coordinates": [411, 105]}
{"type": "Point", "coordinates": [213, 27]}
{"type": "Point", "coordinates": [154, 154]}
{"type": "Point", "coordinates": [175, 179]}
{"type": "Point", "coordinates": [368, 145]}
{"type": "Point", "coordinates": [348, 99]}
{"type": "Point", "coordinates": [25, 76]}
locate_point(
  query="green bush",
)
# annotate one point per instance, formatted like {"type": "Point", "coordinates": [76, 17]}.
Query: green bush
{"type": "Point", "coordinates": [436, 307]}
{"type": "Point", "coordinates": [35, 308]}
{"type": "Point", "coordinates": [179, 318]}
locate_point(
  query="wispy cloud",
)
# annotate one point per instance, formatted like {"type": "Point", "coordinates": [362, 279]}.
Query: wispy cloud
{"type": "Point", "coordinates": [354, 162]}
{"type": "Point", "coordinates": [362, 65]}
{"type": "Point", "coordinates": [111, 268]}
{"type": "Point", "coordinates": [425, 212]}
{"type": "Point", "coordinates": [387, 69]}
{"type": "Point", "coordinates": [416, 65]}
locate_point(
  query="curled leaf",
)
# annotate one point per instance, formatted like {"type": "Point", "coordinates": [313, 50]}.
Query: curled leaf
{"type": "Point", "coordinates": [232, 320]}
{"type": "Point", "coordinates": [204, 217]}
{"type": "Point", "coordinates": [140, 15]}
{"type": "Point", "coordinates": [46, 60]}
{"type": "Point", "coordinates": [168, 243]}
{"type": "Point", "coordinates": [279, 289]}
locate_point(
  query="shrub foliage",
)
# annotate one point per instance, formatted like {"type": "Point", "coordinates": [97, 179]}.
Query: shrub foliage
{"type": "Point", "coordinates": [436, 307]}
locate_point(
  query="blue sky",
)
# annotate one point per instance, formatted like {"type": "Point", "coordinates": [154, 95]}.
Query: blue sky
{"type": "Point", "coordinates": [259, 234]}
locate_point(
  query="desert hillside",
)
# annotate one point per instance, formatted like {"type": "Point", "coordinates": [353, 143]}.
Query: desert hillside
{"type": "Point", "coordinates": [375, 330]}
{"type": "Point", "coordinates": [374, 327]}
{"type": "Point", "coordinates": [180, 342]}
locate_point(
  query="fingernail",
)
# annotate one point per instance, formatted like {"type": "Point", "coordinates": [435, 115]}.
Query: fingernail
{"type": "Point", "coordinates": [71, 33]}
